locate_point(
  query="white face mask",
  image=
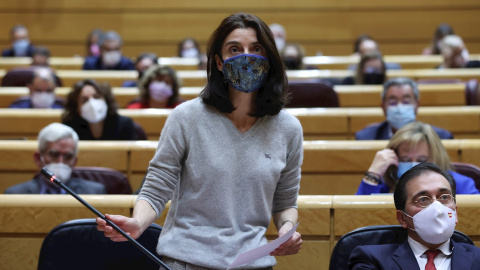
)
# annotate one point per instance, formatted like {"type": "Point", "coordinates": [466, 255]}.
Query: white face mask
{"type": "Point", "coordinates": [111, 58]}
{"type": "Point", "coordinates": [435, 224]}
{"type": "Point", "coordinates": [61, 170]}
{"type": "Point", "coordinates": [280, 42]}
{"type": "Point", "coordinates": [191, 52]}
{"type": "Point", "coordinates": [94, 110]}
{"type": "Point", "coordinates": [42, 99]}
{"type": "Point", "coordinates": [160, 91]}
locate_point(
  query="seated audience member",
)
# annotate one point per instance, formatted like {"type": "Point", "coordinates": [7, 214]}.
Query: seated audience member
{"type": "Point", "coordinates": [412, 144]}
{"type": "Point", "coordinates": [40, 56]}
{"type": "Point", "coordinates": [159, 88]}
{"type": "Point", "coordinates": [21, 46]}
{"type": "Point", "coordinates": [279, 34]}
{"type": "Point", "coordinates": [93, 49]}
{"type": "Point", "coordinates": [91, 111]}
{"type": "Point", "coordinates": [292, 56]}
{"type": "Point", "coordinates": [426, 208]}
{"type": "Point", "coordinates": [42, 92]}
{"type": "Point", "coordinates": [455, 54]}
{"type": "Point", "coordinates": [188, 48]}
{"type": "Point", "coordinates": [57, 151]}
{"type": "Point", "coordinates": [143, 62]}
{"type": "Point", "coordinates": [400, 101]}
{"type": "Point", "coordinates": [371, 70]}
{"type": "Point", "coordinates": [442, 30]}
{"type": "Point", "coordinates": [365, 44]}
{"type": "Point", "coordinates": [110, 57]}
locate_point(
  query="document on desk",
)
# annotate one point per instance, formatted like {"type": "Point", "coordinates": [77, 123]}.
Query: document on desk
{"type": "Point", "coordinates": [265, 250]}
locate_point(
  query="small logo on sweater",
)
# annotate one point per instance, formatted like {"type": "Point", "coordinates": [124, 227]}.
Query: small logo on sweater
{"type": "Point", "coordinates": [267, 156]}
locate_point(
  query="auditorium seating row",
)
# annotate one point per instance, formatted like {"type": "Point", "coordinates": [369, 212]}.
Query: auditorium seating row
{"type": "Point", "coordinates": [328, 26]}
{"type": "Point", "coordinates": [329, 167]}
{"type": "Point", "coordinates": [26, 219]}
{"type": "Point", "coordinates": [199, 77]}
{"type": "Point", "coordinates": [448, 94]}
{"type": "Point", "coordinates": [321, 62]}
{"type": "Point", "coordinates": [317, 123]}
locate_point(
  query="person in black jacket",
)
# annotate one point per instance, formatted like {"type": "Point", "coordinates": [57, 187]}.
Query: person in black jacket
{"type": "Point", "coordinates": [110, 57]}
{"type": "Point", "coordinates": [91, 111]}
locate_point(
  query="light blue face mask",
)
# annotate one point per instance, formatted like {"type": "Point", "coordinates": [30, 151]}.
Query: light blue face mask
{"type": "Point", "coordinates": [20, 47]}
{"type": "Point", "coordinates": [246, 72]}
{"type": "Point", "coordinates": [403, 167]}
{"type": "Point", "coordinates": [400, 115]}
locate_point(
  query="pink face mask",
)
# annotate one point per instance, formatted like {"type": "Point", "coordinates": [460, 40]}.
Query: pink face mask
{"type": "Point", "coordinates": [160, 91]}
{"type": "Point", "coordinates": [95, 50]}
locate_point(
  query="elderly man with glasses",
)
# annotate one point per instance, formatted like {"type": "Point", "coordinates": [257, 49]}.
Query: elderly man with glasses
{"type": "Point", "coordinates": [426, 207]}
{"type": "Point", "coordinates": [57, 150]}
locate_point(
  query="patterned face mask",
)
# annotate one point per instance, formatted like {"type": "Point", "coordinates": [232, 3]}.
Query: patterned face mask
{"type": "Point", "coordinates": [246, 72]}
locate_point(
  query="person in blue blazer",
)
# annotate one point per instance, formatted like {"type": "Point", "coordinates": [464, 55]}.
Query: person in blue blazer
{"type": "Point", "coordinates": [412, 144]}
{"type": "Point", "coordinates": [400, 102]}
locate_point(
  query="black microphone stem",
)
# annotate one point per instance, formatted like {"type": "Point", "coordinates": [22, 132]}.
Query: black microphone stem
{"type": "Point", "coordinates": [54, 179]}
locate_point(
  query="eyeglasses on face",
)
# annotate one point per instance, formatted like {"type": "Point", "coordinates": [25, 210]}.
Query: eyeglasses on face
{"type": "Point", "coordinates": [425, 201]}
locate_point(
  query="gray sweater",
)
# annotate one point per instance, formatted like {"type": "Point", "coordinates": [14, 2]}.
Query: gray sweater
{"type": "Point", "coordinates": [224, 185]}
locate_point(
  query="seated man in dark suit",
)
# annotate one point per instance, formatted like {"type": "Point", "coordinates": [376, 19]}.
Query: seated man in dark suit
{"type": "Point", "coordinates": [400, 101]}
{"type": "Point", "coordinates": [425, 202]}
{"type": "Point", "coordinates": [42, 92]}
{"type": "Point", "coordinates": [21, 46]}
{"type": "Point", "coordinates": [57, 150]}
{"type": "Point", "coordinates": [110, 57]}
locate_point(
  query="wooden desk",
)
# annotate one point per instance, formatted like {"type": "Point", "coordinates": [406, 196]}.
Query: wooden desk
{"type": "Point", "coordinates": [405, 61]}
{"type": "Point", "coordinates": [25, 220]}
{"type": "Point", "coordinates": [317, 123]}
{"type": "Point", "coordinates": [329, 167]}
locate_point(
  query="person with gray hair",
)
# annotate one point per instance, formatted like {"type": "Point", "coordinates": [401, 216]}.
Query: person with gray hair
{"type": "Point", "coordinates": [400, 102]}
{"type": "Point", "coordinates": [57, 151]}
{"type": "Point", "coordinates": [21, 45]}
{"type": "Point", "coordinates": [41, 92]}
{"type": "Point", "coordinates": [110, 57]}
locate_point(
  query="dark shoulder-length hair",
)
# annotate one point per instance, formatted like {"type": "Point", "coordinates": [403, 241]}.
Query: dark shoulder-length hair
{"type": "Point", "coordinates": [151, 74]}
{"type": "Point", "coordinates": [372, 55]}
{"type": "Point", "coordinates": [272, 96]}
{"type": "Point", "coordinates": [71, 106]}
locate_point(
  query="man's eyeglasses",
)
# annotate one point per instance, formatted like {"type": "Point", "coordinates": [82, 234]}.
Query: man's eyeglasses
{"type": "Point", "coordinates": [55, 155]}
{"type": "Point", "coordinates": [425, 201]}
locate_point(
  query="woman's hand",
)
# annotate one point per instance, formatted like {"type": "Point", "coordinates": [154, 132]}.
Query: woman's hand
{"type": "Point", "coordinates": [292, 246]}
{"type": "Point", "coordinates": [383, 159]}
{"type": "Point", "coordinates": [130, 225]}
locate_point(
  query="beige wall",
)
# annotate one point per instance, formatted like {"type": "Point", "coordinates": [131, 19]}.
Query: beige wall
{"type": "Point", "coordinates": [329, 26]}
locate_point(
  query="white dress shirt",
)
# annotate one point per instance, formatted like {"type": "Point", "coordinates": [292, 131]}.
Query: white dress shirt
{"type": "Point", "coordinates": [443, 259]}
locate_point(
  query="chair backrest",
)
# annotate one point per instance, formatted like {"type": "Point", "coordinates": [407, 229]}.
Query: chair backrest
{"type": "Point", "coordinates": [312, 94]}
{"type": "Point", "coordinates": [374, 235]}
{"type": "Point", "coordinates": [77, 244]}
{"type": "Point", "coordinates": [20, 77]}
{"type": "Point", "coordinates": [469, 170]}
{"type": "Point", "coordinates": [471, 92]}
{"type": "Point", "coordinates": [140, 133]}
{"type": "Point", "coordinates": [114, 181]}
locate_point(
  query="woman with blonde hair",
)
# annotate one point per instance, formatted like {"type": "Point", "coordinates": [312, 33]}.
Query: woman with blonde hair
{"type": "Point", "coordinates": [412, 144]}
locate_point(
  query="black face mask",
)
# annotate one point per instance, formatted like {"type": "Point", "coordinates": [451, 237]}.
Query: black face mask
{"type": "Point", "coordinates": [373, 78]}
{"type": "Point", "coordinates": [292, 63]}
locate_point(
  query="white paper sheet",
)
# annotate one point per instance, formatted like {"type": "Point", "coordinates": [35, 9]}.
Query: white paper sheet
{"type": "Point", "coordinates": [265, 250]}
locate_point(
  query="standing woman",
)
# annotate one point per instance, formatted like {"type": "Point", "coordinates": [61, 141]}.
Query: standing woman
{"type": "Point", "coordinates": [91, 111]}
{"type": "Point", "coordinates": [228, 161]}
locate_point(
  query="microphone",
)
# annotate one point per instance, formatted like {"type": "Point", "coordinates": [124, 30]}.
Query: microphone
{"type": "Point", "coordinates": [51, 176]}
